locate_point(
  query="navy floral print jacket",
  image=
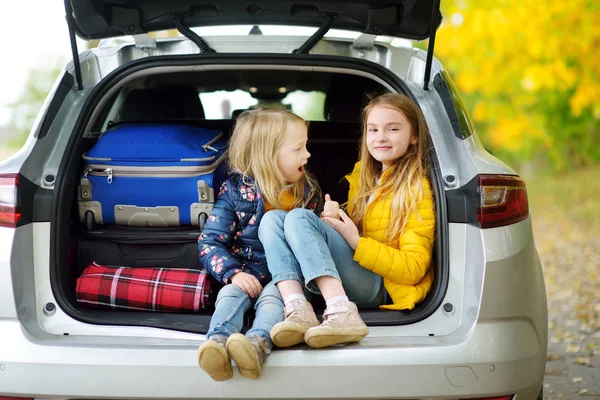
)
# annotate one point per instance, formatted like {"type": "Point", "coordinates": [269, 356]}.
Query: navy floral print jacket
{"type": "Point", "coordinates": [229, 242]}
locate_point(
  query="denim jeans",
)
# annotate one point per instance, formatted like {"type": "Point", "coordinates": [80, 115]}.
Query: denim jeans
{"type": "Point", "coordinates": [231, 305]}
{"type": "Point", "coordinates": [301, 246]}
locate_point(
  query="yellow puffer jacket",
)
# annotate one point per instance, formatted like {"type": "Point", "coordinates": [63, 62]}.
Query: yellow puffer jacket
{"type": "Point", "coordinates": [406, 267]}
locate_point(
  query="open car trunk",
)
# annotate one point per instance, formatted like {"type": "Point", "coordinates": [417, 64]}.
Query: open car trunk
{"type": "Point", "coordinates": [333, 144]}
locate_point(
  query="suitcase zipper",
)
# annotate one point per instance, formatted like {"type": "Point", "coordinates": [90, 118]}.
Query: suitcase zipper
{"type": "Point", "coordinates": [165, 172]}
{"type": "Point", "coordinates": [99, 172]}
{"type": "Point", "coordinates": [211, 142]}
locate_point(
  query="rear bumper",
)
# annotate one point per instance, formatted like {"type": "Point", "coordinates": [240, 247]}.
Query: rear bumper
{"type": "Point", "coordinates": [498, 358]}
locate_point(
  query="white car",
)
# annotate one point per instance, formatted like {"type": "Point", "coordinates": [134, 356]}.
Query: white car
{"type": "Point", "coordinates": [481, 332]}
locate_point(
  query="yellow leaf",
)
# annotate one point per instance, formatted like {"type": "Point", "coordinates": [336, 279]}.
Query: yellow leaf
{"type": "Point", "coordinates": [583, 361]}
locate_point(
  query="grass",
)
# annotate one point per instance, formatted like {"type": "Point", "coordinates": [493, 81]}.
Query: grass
{"type": "Point", "coordinates": [10, 146]}
{"type": "Point", "coordinates": [573, 196]}
{"type": "Point", "coordinates": [14, 144]}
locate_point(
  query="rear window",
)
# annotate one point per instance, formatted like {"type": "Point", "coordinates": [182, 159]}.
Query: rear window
{"type": "Point", "coordinates": [454, 105]}
{"type": "Point", "coordinates": [223, 104]}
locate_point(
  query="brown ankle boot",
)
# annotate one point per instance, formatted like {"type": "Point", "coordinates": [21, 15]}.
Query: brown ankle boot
{"type": "Point", "coordinates": [213, 358]}
{"type": "Point", "coordinates": [299, 316]}
{"type": "Point", "coordinates": [249, 353]}
{"type": "Point", "coordinates": [341, 324]}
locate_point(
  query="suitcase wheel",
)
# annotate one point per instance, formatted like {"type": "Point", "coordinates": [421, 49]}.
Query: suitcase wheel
{"type": "Point", "coordinates": [202, 217]}
{"type": "Point", "coordinates": [90, 221]}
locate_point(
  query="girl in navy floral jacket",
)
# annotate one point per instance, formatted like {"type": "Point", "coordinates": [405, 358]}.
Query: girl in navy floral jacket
{"type": "Point", "coordinates": [267, 155]}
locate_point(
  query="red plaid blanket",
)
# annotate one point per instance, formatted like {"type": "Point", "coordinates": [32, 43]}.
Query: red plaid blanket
{"type": "Point", "coordinates": [155, 289]}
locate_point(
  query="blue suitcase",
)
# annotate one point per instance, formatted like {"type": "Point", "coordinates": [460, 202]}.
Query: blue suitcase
{"type": "Point", "coordinates": [152, 175]}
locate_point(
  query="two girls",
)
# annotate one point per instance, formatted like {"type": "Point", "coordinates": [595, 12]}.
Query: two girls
{"type": "Point", "coordinates": [377, 256]}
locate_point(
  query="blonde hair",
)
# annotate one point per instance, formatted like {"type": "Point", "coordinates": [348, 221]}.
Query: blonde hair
{"type": "Point", "coordinates": [403, 178]}
{"type": "Point", "coordinates": [254, 148]}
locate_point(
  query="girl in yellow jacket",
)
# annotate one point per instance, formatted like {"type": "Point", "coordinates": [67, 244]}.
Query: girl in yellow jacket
{"type": "Point", "coordinates": [378, 256]}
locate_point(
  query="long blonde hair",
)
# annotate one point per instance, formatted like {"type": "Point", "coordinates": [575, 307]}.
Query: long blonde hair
{"type": "Point", "coordinates": [402, 179]}
{"type": "Point", "coordinates": [253, 150]}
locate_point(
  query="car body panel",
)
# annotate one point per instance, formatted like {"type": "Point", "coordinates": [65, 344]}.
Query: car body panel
{"type": "Point", "coordinates": [500, 355]}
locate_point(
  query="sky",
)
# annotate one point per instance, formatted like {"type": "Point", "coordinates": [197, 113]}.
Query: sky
{"type": "Point", "coordinates": [34, 34]}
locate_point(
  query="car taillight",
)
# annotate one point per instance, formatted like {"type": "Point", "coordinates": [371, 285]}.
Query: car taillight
{"type": "Point", "coordinates": [502, 200]}
{"type": "Point", "coordinates": [10, 213]}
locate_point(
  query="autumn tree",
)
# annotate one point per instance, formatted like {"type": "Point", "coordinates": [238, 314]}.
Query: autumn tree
{"type": "Point", "coordinates": [530, 73]}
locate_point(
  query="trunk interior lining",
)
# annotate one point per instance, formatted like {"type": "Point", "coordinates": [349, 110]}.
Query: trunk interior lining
{"type": "Point", "coordinates": [333, 145]}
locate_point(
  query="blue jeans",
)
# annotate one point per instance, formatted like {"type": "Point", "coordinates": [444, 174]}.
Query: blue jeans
{"type": "Point", "coordinates": [300, 246]}
{"type": "Point", "coordinates": [231, 305]}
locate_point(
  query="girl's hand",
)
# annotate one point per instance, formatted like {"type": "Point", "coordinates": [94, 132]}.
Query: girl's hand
{"type": "Point", "coordinates": [331, 208]}
{"type": "Point", "coordinates": [248, 283]}
{"type": "Point", "coordinates": [346, 227]}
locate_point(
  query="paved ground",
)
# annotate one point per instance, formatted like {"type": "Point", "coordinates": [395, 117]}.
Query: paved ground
{"type": "Point", "coordinates": [570, 253]}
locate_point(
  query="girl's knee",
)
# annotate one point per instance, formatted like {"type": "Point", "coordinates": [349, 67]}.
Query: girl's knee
{"type": "Point", "coordinates": [230, 291]}
{"type": "Point", "coordinates": [299, 214]}
{"type": "Point", "coordinates": [271, 221]}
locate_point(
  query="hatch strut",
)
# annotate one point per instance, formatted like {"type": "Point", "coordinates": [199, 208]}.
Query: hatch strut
{"type": "Point", "coordinates": [318, 35]}
{"type": "Point", "coordinates": [193, 36]}
{"type": "Point", "coordinates": [432, 29]}
{"type": "Point", "coordinates": [76, 64]}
